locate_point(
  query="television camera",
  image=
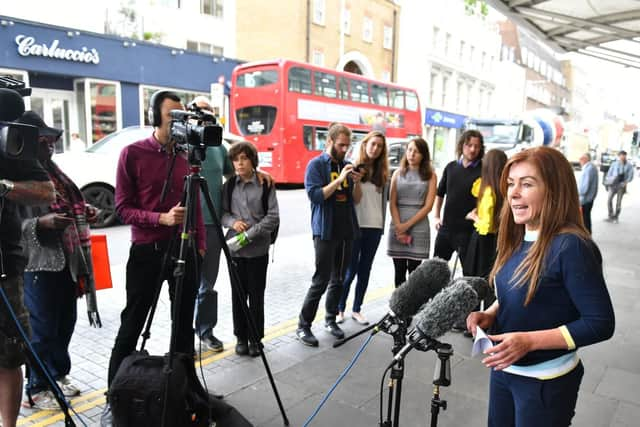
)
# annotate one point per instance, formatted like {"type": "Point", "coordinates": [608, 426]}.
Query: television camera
{"type": "Point", "coordinates": [17, 140]}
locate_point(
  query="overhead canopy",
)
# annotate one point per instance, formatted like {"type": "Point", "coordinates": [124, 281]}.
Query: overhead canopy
{"type": "Point", "coordinates": [604, 29]}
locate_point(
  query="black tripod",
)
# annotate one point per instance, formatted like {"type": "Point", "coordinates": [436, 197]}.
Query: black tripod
{"type": "Point", "coordinates": [195, 184]}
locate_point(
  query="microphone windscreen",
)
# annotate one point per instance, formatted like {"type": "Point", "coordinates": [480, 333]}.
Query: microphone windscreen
{"type": "Point", "coordinates": [478, 284]}
{"type": "Point", "coordinates": [439, 315]}
{"type": "Point", "coordinates": [11, 105]}
{"type": "Point", "coordinates": [422, 284]}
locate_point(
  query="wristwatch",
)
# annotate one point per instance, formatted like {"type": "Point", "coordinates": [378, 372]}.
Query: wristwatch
{"type": "Point", "coordinates": [5, 187]}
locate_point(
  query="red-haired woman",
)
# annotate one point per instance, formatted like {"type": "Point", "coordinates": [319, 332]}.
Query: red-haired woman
{"type": "Point", "coordinates": [552, 297]}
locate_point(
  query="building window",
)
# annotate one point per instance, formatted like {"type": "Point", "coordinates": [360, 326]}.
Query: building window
{"type": "Point", "coordinates": [463, 46]}
{"type": "Point", "coordinates": [447, 44]}
{"type": "Point", "coordinates": [435, 36]}
{"type": "Point", "coordinates": [211, 7]}
{"type": "Point", "coordinates": [459, 100]}
{"type": "Point", "coordinates": [346, 21]}
{"type": "Point", "coordinates": [387, 37]}
{"type": "Point", "coordinates": [483, 60]}
{"type": "Point", "coordinates": [318, 12]}
{"type": "Point", "coordinates": [203, 47]}
{"type": "Point", "coordinates": [318, 58]}
{"type": "Point", "coordinates": [367, 29]}
{"type": "Point", "coordinates": [386, 76]}
{"type": "Point", "coordinates": [472, 53]}
{"type": "Point", "coordinates": [432, 87]}
{"type": "Point", "coordinates": [445, 83]}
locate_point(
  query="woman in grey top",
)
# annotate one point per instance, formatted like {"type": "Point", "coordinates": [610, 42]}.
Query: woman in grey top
{"type": "Point", "coordinates": [413, 191]}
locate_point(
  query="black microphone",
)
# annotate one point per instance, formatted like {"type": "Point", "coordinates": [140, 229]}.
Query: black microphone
{"type": "Point", "coordinates": [439, 315]}
{"type": "Point", "coordinates": [422, 284]}
{"type": "Point", "coordinates": [11, 105]}
{"type": "Point", "coordinates": [478, 284]}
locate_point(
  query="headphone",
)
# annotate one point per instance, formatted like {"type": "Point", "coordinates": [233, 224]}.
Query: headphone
{"type": "Point", "coordinates": [154, 114]}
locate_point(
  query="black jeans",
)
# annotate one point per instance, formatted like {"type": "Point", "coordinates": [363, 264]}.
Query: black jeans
{"type": "Point", "coordinates": [144, 273]}
{"type": "Point", "coordinates": [332, 260]}
{"type": "Point", "coordinates": [402, 266]}
{"type": "Point", "coordinates": [252, 273]}
{"type": "Point", "coordinates": [449, 241]}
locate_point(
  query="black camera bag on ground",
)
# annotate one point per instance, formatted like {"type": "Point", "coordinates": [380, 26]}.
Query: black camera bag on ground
{"type": "Point", "coordinates": [136, 395]}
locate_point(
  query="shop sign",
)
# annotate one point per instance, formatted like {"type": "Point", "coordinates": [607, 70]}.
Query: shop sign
{"type": "Point", "coordinates": [27, 46]}
{"type": "Point", "coordinates": [443, 119]}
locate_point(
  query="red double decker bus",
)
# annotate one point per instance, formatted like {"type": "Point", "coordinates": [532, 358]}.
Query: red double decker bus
{"type": "Point", "coordinates": [285, 108]}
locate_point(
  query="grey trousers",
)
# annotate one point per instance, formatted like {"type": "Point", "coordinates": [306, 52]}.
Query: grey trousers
{"type": "Point", "coordinates": [615, 191]}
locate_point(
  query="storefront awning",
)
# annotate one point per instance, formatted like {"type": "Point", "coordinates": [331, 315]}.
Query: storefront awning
{"type": "Point", "coordinates": [604, 29]}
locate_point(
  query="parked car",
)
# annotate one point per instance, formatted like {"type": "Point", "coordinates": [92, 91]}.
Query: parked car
{"type": "Point", "coordinates": [94, 170]}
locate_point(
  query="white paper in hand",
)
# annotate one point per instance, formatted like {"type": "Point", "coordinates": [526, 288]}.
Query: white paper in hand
{"type": "Point", "coordinates": [480, 343]}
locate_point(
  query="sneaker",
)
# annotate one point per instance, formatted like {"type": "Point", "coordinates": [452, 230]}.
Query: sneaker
{"type": "Point", "coordinates": [340, 317]}
{"type": "Point", "coordinates": [334, 329]}
{"type": "Point", "coordinates": [212, 343]}
{"type": "Point", "coordinates": [67, 387]}
{"type": "Point", "coordinates": [359, 318]}
{"type": "Point", "coordinates": [43, 400]}
{"type": "Point", "coordinates": [106, 419]}
{"type": "Point", "coordinates": [242, 349]}
{"type": "Point", "coordinates": [306, 337]}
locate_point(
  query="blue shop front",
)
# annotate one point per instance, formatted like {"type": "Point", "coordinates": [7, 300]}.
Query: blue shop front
{"type": "Point", "coordinates": [442, 128]}
{"type": "Point", "coordinates": [91, 84]}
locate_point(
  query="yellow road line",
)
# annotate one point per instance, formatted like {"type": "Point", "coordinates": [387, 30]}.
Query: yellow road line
{"type": "Point", "coordinates": [209, 357]}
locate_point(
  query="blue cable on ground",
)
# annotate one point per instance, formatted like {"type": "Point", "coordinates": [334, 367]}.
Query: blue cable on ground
{"type": "Point", "coordinates": [24, 337]}
{"type": "Point", "coordinates": [340, 378]}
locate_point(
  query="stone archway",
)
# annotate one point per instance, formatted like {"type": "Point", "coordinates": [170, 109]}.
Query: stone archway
{"type": "Point", "coordinates": [352, 67]}
{"type": "Point", "coordinates": [355, 62]}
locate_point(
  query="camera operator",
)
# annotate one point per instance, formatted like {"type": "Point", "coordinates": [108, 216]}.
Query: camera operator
{"type": "Point", "coordinates": [22, 182]}
{"type": "Point", "coordinates": [143, 171]}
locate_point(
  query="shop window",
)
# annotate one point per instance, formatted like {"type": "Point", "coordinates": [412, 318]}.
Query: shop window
{"type": "Point", "coordinates": [103, 109]}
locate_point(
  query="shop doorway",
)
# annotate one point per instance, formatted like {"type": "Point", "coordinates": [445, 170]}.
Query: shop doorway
{"type": "Point", "coordinates": [58, 110]}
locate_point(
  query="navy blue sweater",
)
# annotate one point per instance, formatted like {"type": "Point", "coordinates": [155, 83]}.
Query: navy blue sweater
{"type": "Point", "coordinates": [572, 292]}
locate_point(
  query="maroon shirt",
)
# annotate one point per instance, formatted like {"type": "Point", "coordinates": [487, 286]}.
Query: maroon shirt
{"type": "Point", "coordinates": [142, 170]}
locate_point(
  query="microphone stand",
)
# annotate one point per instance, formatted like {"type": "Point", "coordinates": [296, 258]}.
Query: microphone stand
{"type": "Point", "coordinates": [441, 375]}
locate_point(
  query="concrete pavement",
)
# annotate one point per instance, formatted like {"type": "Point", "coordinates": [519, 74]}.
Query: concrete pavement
{"type": "Point", "coordinates": [608, 395]}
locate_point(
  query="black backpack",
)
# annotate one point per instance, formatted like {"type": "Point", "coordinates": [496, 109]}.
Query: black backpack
{"type": "Point", "coordinates": [137, 396]}
{"type": "Point", "coordinates": [230, 185]}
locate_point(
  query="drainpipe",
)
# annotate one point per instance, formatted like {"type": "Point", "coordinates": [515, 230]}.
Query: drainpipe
{"type": "Point", "coordinates": [308, 33]}
{"type": "Point", "coordinates": [394, 44]}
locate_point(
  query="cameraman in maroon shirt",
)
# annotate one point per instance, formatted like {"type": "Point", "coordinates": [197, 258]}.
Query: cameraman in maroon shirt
{"type": "Point", "coordinates": [142, 171]}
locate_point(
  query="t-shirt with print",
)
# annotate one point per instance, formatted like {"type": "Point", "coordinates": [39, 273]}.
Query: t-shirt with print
{"type": "Point", "coordinates": [342, 218]}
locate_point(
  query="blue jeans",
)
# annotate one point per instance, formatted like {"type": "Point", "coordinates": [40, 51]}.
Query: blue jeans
{"type": "Point", "coordinates": [206, 315]}
{"type": "Point", "coordinates": [364, 250]}
{"type": "Point", "coordinates": [51, 300]}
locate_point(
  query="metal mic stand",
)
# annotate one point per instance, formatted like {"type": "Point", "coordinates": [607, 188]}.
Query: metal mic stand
{"type": "Point", "coordinates": [441, 378]}
{"type": "Point", "coordinates": [194, 184]}
{"type": "Point", "coordinates": [394, 389]}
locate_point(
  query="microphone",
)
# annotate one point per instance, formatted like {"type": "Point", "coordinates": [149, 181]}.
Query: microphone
{"type": "Point", "coordinates": [422, 284]}
{"type": "Point", "coordinates": [478, 284]}
{"type": "Point", "coordinates": [439, 315]}
{"type": "Point", "coordinates": [11, 105]}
